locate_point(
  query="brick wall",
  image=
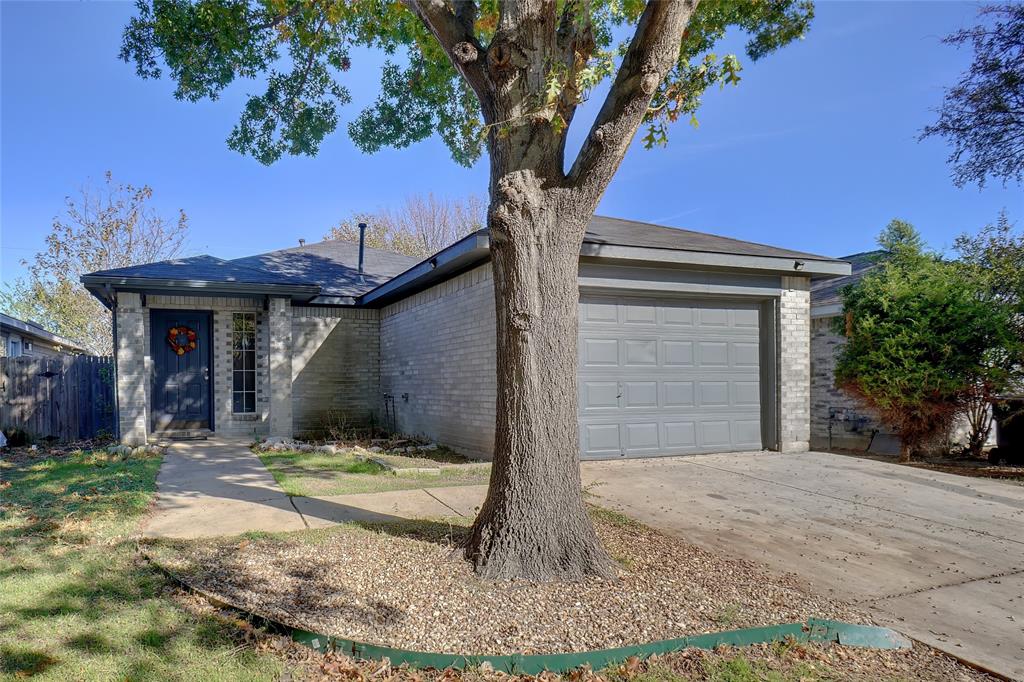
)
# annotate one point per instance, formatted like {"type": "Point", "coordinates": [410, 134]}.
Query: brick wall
{"type": "Point", "coordinates": [437, 346]}
{"type": "Point", "coordinates": [794, 364]}
{"type": "Point", "coordinates": [853, 423]}
{"type": "Point", "coordinates": [132, 368]}
{"type": "Point", "coordinates": [335, 368]}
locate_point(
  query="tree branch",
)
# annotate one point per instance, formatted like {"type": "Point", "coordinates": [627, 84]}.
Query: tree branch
{"type": "Point", "coordinates": [651, 54]}
{"type": "Point", "coordinates": [454, 32]}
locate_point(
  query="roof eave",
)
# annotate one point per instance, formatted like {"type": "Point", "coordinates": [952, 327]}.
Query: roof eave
{"type": "Point", "coordinates": [447, 262]}
{"type": "Point", "coordinates": [105, 283]}
{"type": "Point", "coordinates": [775, 264]}
{"type": "Point", "coordinates": [22, 327]}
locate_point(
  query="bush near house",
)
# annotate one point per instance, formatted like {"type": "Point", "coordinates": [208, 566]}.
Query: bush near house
{"type": "Point", "coordinates": [924, 340]}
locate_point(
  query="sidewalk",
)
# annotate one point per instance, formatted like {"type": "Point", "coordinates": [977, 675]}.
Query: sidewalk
{"type": "Point", "coordinates": [220, 487]}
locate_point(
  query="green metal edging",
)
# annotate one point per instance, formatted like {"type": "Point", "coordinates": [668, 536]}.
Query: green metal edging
{"type": "Point", "coordinates": [814, 630]}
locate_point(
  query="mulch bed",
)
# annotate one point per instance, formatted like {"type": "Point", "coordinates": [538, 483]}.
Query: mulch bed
{"type": "Point", "coordinates": [784, 661]}
{"type": "Point", "coordinates": [962, 466]}
{"type": "Point", "coordinates": [408, 586]}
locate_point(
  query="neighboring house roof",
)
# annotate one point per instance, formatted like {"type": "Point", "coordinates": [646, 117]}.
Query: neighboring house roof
{"type": "Point", "coordinates": [327, 272]}
{"type": "Point", "coordinates": [827, 294]}
{"type": "Point", "coordinates": [33, 329]}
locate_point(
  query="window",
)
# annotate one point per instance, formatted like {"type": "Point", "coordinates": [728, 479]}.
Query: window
{"type": "Point", "coordinates": [243, 370]}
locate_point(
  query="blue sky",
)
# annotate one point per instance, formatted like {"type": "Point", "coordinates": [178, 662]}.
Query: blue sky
{"type": "Point", "coordinates": [815, 150]}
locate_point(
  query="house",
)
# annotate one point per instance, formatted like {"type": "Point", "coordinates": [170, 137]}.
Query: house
{"type": "Point", "coordinates": [28, 339]}
{"type": "Point", "coordinates": [688, 342]}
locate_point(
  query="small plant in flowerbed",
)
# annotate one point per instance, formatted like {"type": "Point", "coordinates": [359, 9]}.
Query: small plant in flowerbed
{"type": "Point", "coordinates": [324, 468]}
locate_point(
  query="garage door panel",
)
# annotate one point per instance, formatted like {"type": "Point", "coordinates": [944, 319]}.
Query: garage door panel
{"type": "Point", "coordinates": [715, 434]}
{"type": "Point", "coordinates": [601, 439]}
{"type": "Point", "coordinates": [745, 354]}
{"type": "Point", "coordinates": [713, 354]}
{"type": "Point", "coordinates": [746, 393]}
{"type": "Point", "coordinates": [639, 315]}
{"type": "Point", "coordinates": [642, 436]}
{"type": "Point", "coordinates": [599, 395]}
{"type": "Point", "coordinates": [678, 394]}
{"type": "Point", "coordinates": [677, 316]}
{"type": "Point", "coordinates": [599, 353]}
{"type": "Point", "coordinates": [713, 393]}
{"type": "Point", "coordinates": [677, 353]}
{"type": "Point", "coordinates": [640, 394]}
{"type": "Point", "coordinates": [640, 352]}
{"type": "Point", "coordinates": [664, 377]}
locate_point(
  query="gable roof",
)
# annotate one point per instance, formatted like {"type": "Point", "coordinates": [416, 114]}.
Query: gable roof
{"type": "Point", "coordinates": [333, 265]}
{"type": "Point", "coordinates": [206, 268]}
{"type": "Point", "coordinates": [826, 294]}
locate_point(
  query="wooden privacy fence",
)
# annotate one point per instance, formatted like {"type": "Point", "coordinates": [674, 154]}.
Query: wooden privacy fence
{"type": "Point", "coordinates": [67, 398]}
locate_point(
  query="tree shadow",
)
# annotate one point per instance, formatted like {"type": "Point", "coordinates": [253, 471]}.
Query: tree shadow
{"type": "Point", "coordinates": [22, 661]}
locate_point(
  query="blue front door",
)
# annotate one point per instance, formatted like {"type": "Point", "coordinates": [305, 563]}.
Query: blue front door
{"type": "Point", "coordinates": [181, 369]}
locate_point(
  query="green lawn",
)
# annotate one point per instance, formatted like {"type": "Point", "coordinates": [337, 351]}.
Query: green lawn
{"type": "Point", "coordinates": [318, 474]}
{"type": "Point", "coordinates": [77, 602]}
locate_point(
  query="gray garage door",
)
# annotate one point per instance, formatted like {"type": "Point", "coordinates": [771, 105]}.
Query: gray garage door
{"type": "Point", "coordinates": [662, 377]}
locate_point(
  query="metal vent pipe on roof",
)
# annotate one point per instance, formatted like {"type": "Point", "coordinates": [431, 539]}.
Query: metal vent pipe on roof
{"type": "Point", "coordinates": [362, 249]}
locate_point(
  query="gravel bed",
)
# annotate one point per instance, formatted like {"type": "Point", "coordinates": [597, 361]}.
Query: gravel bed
{"type": "Point", "coordinates": [407, 586]}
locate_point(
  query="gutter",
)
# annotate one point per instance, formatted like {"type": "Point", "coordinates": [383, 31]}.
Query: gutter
{"type": "Point", "coordinates": [299, 291]}
{"type": "Point", "coordinates": [463, 254]}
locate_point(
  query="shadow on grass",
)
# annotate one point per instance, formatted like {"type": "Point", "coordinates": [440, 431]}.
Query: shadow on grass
{"type": "Point", "coordinates": [23, 661]}
{"type": "Point", "coordinates": [77, 603]}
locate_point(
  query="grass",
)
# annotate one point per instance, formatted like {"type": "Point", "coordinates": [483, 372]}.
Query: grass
{"type": "Point", "coordinates": [77, 602]}
{"type": "Point", "coordinates": [318, 474]}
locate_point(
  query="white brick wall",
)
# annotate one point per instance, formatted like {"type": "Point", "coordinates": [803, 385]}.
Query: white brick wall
{"type": "Point", "coordinates": [132, 368]}
{"type": "Point", "coordinates": [794, 364]}
{"type": "Point", "coordinates": [335, 367]}
{"type": "Point", "coordinates": [438, 347]}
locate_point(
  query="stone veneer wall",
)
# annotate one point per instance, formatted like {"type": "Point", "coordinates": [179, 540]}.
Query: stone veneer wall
{"type": "Point", "coordinates": [437, 347]}
{"type": "Point", "coordinates": [335, 368]}
{"type": "Point", "coordinates": [794, 364]}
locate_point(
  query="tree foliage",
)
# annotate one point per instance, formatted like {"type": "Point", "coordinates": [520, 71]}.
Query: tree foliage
{"type": "Point", "coordinates": [303, 48]}
{"type": "Point", "coordinates": [420, 227]}
{"type": "Point", "coordinates": [111, 226]}
{"type": "Point", "coordinates": [922, 336]}
{"type": "Point", "coordinates": [982, 116]}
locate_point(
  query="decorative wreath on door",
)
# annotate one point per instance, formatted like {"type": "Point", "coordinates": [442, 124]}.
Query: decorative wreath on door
{"type": "Point", "coordinates": [174, 333]}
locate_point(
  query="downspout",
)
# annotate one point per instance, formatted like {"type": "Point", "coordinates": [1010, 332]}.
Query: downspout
{"type": "Point", "coordinates": [362, 250]}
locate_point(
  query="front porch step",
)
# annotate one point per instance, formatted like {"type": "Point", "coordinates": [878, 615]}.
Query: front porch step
{"type": "Point", "coordinates": [179, 434]}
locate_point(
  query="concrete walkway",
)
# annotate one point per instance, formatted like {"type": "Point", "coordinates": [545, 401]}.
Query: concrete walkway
{"type": "Point", "coordinates": [937, 556]}
{"type": "Point", "coordinates": [220, 487]}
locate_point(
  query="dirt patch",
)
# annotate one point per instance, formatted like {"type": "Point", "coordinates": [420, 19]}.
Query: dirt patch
{"type": "Point", "coordinates": [961, 466]}
{"type": "Point", "coordinates": [406, 585]}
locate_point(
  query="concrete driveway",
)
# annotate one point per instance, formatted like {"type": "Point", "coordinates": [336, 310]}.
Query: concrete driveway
{"type": "Point", "coordinates": [940, 557]}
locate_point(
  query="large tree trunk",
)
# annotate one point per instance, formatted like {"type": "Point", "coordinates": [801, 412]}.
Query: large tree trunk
{"type": "Point", "coordinates": [533, 525]}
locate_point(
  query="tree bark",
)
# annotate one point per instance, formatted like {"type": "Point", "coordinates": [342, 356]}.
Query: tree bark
{"type": "Point", "coordinates": [534, 525]}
